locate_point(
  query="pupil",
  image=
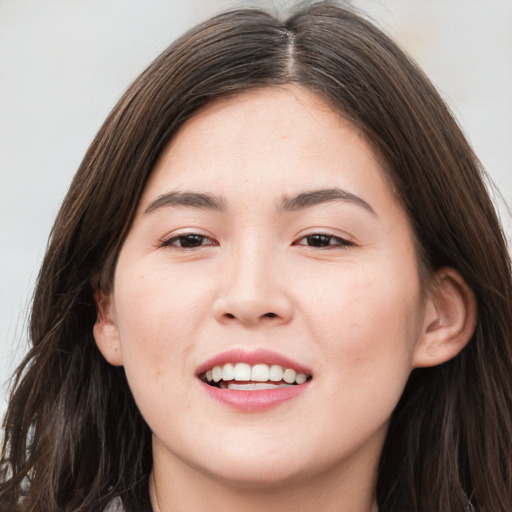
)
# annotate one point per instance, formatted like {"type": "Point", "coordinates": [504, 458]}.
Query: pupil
{"type": "Point", "coordinates": [191, 240]}
{"type": "Point", "coordinates": [318, 240]}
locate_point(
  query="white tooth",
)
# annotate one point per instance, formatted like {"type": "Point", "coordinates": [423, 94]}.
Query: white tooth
{"type": "Point", "coordinates": [300, 378]}
{"type": "Point", "coordinates": [260, 373]}
{"type": "Point", "coordinates": [253, 386]}
{"type": "Point", "coordinates": [242, 371]}
{"type": "Point", "coordinates": [289, 375]}
{"type": "Point", "coordinates": [209, 376]}
{"type": "Point", "coordinates": [217, 373]}
{"type": "Point", "coordinates": [228, 372]}
{"type": "Point", "coordinates": [275, 373]}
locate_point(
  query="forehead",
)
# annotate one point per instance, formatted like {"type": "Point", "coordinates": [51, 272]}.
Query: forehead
{"type": "Point", "coordinates": [283, 139]}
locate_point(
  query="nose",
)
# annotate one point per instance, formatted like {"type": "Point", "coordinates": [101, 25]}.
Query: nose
{"type": "Point", "coordinates": [253, 291]}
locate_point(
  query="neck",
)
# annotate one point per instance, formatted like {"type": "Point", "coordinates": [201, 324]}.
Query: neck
{"type": "Point", "coordinates": [325, 492]}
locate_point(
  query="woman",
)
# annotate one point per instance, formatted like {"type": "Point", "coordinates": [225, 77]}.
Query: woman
{"type": "Point", "coordinates": [277, 281]}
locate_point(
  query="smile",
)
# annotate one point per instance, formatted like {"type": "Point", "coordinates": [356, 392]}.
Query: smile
{"type": "Point", "coordinates": [246, 377]}
{"type": "Point", "coordinates": [252, 381]}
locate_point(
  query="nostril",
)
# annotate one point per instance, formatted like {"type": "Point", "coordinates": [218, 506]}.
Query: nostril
{"type": "Point", "coordinates": [267, 315]}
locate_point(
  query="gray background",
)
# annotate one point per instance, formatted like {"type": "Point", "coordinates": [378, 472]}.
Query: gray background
{"type": "Point", "coordinates": [64, 63]}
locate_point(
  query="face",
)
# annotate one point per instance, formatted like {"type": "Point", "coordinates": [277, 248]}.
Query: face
{"type": "Point", "coordinates": [269, 251]}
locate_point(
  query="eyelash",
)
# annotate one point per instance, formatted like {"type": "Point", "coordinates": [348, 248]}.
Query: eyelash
{"type": "Point", "coordinates": [339, 241]}
{"type": "Point", "coordinates": [170, 242]}
{"type": "Point", "coordinates": [319, 237]}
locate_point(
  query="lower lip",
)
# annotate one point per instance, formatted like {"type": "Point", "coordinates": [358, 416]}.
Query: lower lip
{"type": "Point", "coordinates": [254, 401]}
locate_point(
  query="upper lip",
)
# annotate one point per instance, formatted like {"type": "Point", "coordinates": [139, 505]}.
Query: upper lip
{"type": "Point", "coordinates": [258, 356]}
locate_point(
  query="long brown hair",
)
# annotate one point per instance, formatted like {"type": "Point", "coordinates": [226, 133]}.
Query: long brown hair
{"type": "Point", "coordinates": [74, 439]}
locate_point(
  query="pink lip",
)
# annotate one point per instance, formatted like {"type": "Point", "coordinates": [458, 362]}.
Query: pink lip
{"type": "Point", "coordinates": [252, 358]}
{"type": "Point", "coordinates": [252, 401]}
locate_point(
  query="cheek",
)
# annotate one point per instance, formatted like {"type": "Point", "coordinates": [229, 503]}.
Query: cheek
{"type": "Point", "coordinates": [367, 320]}
{"type": "Point", "coordinates": [367, 333]}
{"type": "Point", "coordinates": [156, 318]}
{"type": "Point", "coordinates": [159, 301]}
{"type": "Point", "coordinates": [158, 314]}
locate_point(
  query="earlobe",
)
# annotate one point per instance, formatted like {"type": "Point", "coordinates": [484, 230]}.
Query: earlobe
{"type": "Point", "coordinates": [105, 330]}
{"type": "Point", "coordinates": [449, 322]}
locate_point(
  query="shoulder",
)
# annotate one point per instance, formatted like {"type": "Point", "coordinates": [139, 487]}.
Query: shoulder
{"type": "Point", "coordinates": [114, 506]}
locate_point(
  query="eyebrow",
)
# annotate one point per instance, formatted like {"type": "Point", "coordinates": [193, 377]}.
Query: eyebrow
{"type": "Point", "coordinates": [190, 199]}
{"type": "Point", "coordinates": [315, 197]}
{"type": "Point", "coordinates": [293, 203]}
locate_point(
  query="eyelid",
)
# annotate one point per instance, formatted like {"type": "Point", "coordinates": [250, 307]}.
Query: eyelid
{"type": "Point", "coordinates": [336, 233]}
{"type": "Point", "coordinates": [343, 239]}
{"type": "Point", "coordinates": [168, 239]}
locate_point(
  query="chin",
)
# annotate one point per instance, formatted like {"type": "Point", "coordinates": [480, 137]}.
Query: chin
{"type": "Point", "coordinates": [261, 475]}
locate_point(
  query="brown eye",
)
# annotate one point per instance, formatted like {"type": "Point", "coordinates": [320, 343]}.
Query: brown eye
{"type": "Point", "coordinates": [188, 241]}
{"type": "Point", "coordinates": [321, 240]}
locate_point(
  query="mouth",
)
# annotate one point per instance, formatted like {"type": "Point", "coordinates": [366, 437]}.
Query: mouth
{"type": "Point", "coordinates": [253, 381]}
{"type": "Point", "coordinates": [257, 377]}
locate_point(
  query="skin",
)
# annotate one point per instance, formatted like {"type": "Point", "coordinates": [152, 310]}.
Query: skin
{"type": "Point", "coordinates": [352, 311]}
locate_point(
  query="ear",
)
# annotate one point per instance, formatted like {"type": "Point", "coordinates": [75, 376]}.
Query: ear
{"type": "Point", "coordinates": [450, 319]}
{"type": "Point", "coordinates": [105, 329]}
